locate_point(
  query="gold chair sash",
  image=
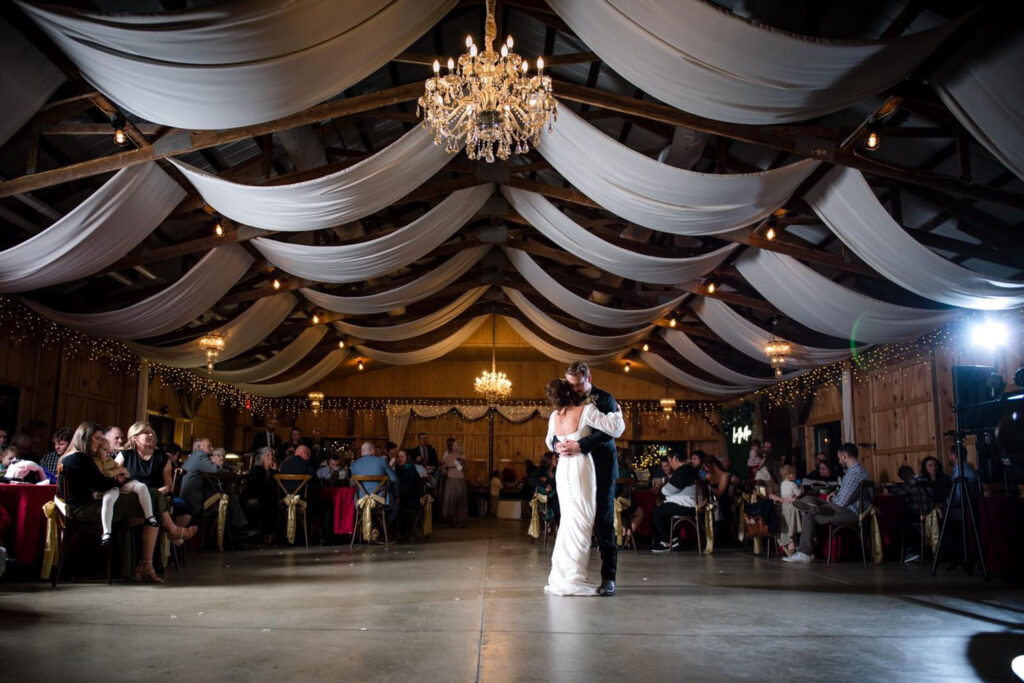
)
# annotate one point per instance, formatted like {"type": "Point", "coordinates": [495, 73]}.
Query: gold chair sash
{"type": "Point", "coordinates": [428, 513]}
{"type": "Point", "coordinates": [621, 505]}
{"type": "Point", "coordinates": [930, 528]}
{"type": "Point", "coordinates": [51, 508]}
{"type": "Point", "coordinates": [221, 501]}
{"type": "Point", "coordinates": [535, 503]}
{"type": "Point", "coordinates": [876, 534]}
{"type": "Point", "coordinates": [366, 505]}
{"type": "Point", "coordinates": [706, 509]}
{"type": "Point", "coordinates": [293, 501]}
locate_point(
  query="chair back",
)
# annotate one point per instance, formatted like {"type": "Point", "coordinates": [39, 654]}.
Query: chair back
{"type": "Point", "coordinates": [363, 480]}
{"type": "Point", "coordinates": [299, 490]}
{"type": "Point", "coordinates": [627, 487]}
{"type": "Point", "coordinates": [866, 494]}
{"type": "Point", "coordinates": [701, 491]}
{"type": "Point", "coordinates": [176, 478]}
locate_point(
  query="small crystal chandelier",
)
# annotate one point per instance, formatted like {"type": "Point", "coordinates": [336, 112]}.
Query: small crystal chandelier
{"type": "Point", "coordinates": [213, 344]}
{"type": "Point", "coordinates": [488, 102]}
{"type": "Point", "coordinates": [668, 404]}
{"type": "Point", "coordinates": [777, 350]}
{"type": "Point", "coordinates": [493, 385]}
{"type": "Point", "coordinates": [316, 399]}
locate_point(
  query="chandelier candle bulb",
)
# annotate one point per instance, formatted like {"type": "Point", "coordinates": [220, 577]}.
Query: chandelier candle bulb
{"type": "Point", "coordinates": [277, 284]}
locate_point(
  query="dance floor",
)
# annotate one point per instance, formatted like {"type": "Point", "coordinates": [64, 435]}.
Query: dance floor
{"type": "Point", "coordinates": [469, 606]}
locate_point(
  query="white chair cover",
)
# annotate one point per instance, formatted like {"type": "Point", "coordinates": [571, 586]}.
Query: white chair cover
{"type": "Point", "coordinates": [98, 232]}
{"type": "Point", "coordinates": [235, 64]}
{"type": "Point", "coordinates": [365, 260]}
{"type": "Point", "coordinates": [703, 59]}
{"type": "Point", "coordinates": [576, 239]}
{"type": "Point", "coordinates": [845, 202]}
{"type": "Point", "coordinates": [240, 334]}
{"type": "Point", "coordinates": [340, 197]}
{"type": "Point", "coordinates": [196, 291]}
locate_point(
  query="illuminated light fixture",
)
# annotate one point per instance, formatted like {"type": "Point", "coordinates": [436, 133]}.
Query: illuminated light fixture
{"type": "Point", "coordinates": [493, 384]}
{"type": "Point", "coordinates": [360, 366]}
{"type": "Point", "coordinates": [647, 347]}
{"type": "Point", "coordinates": [316, 319]}
{"type": "Point", "coordinates": [213, 344]}
{"type": "Point", "coordinates": [316, 399]}
{"type": "Point", "coordinates": [487, 102]}
{"type": "Point", "coordinates": [770, 234]}
{"type": "Point", "coordinates": [120, 137]}
{"type": "Point", "coordinates": [672, 322]}
{"type": "Point", "coordinates": [777, 351]}
{"type": "Point", "coordinates": [341, 343]}
{"type": "Point", "coordinates": [872, 142]}
{"type": "Point", "coordinates": [625, 368]}
{"type": "Point", "coordinates": [711, 287]}
{"type": "Point", "coordinates": [667, 403]}
{"type": "Point", "coordinates": [989, 334]}
{"type": "Point", "coordinates": [277, 283]}
{"type": "Point", "coordinates": [218, 229]}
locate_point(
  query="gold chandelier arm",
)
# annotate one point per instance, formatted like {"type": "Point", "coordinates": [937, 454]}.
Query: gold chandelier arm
{"type": "Point", "coordinates": [491, 27]}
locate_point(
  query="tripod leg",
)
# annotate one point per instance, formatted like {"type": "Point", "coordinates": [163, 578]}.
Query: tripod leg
{"type": "Point", "coordinates": [977, 538]}
{"type": "Point", "coordinates": [937, 550]}
{"type": "Point", "coordinates": [964, 507]}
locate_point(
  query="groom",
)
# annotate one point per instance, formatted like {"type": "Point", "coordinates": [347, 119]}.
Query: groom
{"type": "Point", "coordinates": [606, 468]}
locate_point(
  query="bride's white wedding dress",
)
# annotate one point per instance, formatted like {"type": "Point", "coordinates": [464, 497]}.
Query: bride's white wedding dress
{"type": "Point", "coordinates": [576, 486]}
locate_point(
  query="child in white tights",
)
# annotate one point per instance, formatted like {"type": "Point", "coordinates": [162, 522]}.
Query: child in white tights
{"type": "Point", "coordinates": [110, 468]}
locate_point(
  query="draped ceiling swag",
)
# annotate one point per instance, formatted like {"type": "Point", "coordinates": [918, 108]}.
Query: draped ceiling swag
{"type": "Point", "coordinates": [685, 131]}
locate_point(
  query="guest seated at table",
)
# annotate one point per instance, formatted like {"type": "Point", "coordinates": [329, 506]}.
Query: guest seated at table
{"type": "Point", "coordinates": [61, 439]}
{"type": "Point", "coordinates": [679, 500]}
{"type": "Point", "coordinates": [261, 494]}
{"type": "Point", "coordinates": [370, 465]}
{"type": "Point", "coordinates": [115, 438]}
{"type": "Point", "coordinates": [7, 458]}
{"type": "Point", "coordinates": [299, 463]}
{"type": "Point", "coordinates": [28, 472]}
{"type": "Point", "coordinates": [661, 473]}
{"type": "Point", "coordinates": [824, 475]}
{"type": "Point", "coordinates": [174, 454]}
{"type": "Point", "coordinates": [195, 490]}
{"type": "Point", "coordinates": [332, 471]}
{"type": "Point", "coordinates": [788, 516]}
{"type": "Point", "coordinates": [770, 473]}
{"type": "Point", "coordinates": [145, 464]}
{"type": "Point", "coordinates": [543, 482]}
{"type": "Point", "coordinates": [391, 453]}
{"type": "Point", "coordinates": [939, 481]}
{"type": "Point", "coordinates": [295, 439]}
{"type": "Point", "coordinates": [842, 506]}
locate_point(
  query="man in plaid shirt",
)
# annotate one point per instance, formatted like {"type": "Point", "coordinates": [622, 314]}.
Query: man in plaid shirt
{"type": "Point", "coordinates": [842, 506]}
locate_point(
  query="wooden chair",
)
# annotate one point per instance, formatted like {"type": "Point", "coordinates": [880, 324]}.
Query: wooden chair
{"type": "Point", "coordinates": [756, 526]}
{"type": "Point", "coordinates": [361, 483]}
{"type": "Point", "coordinates": [179, 553]}
{"type": "Point", "coordinates": [919, 504]}
{"type": "Point", "coordinates": [701, 493]}
{"type": "Point", "coordinates": [301, 490]}
{"type": "Point", "coordinates": [864, 494]}
{"type": "Point", "coordinates": [627, 492]}
{"type": "Point", "coordinates": [222, 482]}
{"type": "Point", "coordinates": [67, 528]}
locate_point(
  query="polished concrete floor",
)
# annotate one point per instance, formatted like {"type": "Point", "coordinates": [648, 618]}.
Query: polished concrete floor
{"type": "Point", "coordinates": [469, 606]}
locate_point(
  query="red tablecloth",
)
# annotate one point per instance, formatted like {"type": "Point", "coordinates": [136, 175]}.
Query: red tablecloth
{"type": "Point", "coordinates": [1001, 526]}
{"type": "Point", "coordinates": [342, 498]}
{"type": "Point", "coordinates": [645, 500]}
{"type": "Point", "coordinates": [24, 539]}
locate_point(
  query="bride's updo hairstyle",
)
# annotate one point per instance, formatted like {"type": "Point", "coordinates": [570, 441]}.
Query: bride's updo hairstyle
{"type": "Point", "coordinates": [561, 394]}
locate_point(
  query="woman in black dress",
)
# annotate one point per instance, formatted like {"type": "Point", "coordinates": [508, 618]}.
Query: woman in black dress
{"type": "Point", "coordinates": [153, 469]}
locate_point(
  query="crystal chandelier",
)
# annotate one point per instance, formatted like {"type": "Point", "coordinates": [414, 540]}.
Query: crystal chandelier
{"type": "Point", "coordinates": [316, 399]}
{"type": "Point", "coordinates": [493, 384]}
{"type": "Point", "coordinates": [488, 102]}
{"type": "Point", "coordinates": [777, 350]}
{"type": "Point", "coordinates": [668, 404]}
{"type": "Point", "coordinates": [213, 344]}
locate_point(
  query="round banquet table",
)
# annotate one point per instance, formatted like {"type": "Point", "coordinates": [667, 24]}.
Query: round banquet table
{"type": "Point", "coordinates": [343, 514]}
{"type": "Point", "coordinates": [24, 539]}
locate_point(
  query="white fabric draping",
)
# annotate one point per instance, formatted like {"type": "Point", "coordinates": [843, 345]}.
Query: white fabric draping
{"type": "Point", "coordinates": [27, 80]}
{"type": "Point", "coordinates": [574, 238]}
{"type": "Point", "coordinates": [333, 199]}
{"type": "Point", "coordinates": [310, 377]}
{"type": "Point", "coordinates": [283, 360]}
{"type": "Point", "coordinates": [556, 353]}
{"type": "Point", "coordinates": [398, 423]}
{"type": "Point", "coordinates": [979, 91]}
{"type": "Point", "coordinates": [821, 304]}
{"type": "Point", "coordinates": [689, 350]}
{"type": "Point", "coordinates": [580, 340]}
{"type": "Point", "coordinates": [577, 306]}
{"type": "Point", "coordinates": [431, 411]}
{"type": "Point", "coordinates": [708, 61]}
{"type": "Point", "coordinates": [240, 334]}
{"type": "Point", "coordinates": [411, 292]}
{"type": "Point", "coordinates": [749, 339]}
{"type": "Point", "coordinates": [98, 232]}
{"type": "Point", "coordinates": [517, 413]}
{"type": "Point", "coordinates": [235, 64]}
{"type": "Point", "coordinates": [365, 260]}
{"type": "Point", "coordinates": [844, 201]}
{"type": "Point", "coordinates": [849, 430]}
{"type": "Point", "coordinates": [427, 353]}
{"type": "Point", "coordinates": [415, 328]}
{"type": "Point", "coordinates": [186, 299]}
{"type": "Point", "coordinates": [674, 374]}
{"type": "Point", "coordinates": [658, 196]}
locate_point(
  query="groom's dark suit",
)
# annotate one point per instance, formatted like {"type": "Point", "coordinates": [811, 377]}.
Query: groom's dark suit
{"type": "Point", "coordinates": [606, 469]}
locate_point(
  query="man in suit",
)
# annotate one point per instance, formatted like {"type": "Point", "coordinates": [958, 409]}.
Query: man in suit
{"type": "Point", "coordinates": [368, 465]}
{"type": "Point", "coordinates": [299, 464]}
{"type": "Point", "coordinates": [268, 438]}
{"type": "Point", "coordinates": [601, 448]}
{"type": "Point", "coordinates": [195, 490]}
{"type": "Point", "coordinates": [428, 456]}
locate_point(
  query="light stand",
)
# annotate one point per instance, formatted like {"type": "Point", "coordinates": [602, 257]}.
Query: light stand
{"type": "Point", "coordinates": [961, 486]}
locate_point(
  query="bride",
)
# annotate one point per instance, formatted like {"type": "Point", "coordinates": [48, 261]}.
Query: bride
{"type": "Point", "coordinates": [576, 486]}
